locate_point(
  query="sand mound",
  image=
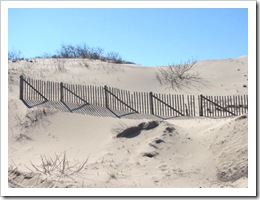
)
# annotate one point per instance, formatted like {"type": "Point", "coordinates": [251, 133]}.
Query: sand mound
{"type": "Point", "coordinates": [212, 154]}
{"type": "Point", "coordinates": [233, 158]}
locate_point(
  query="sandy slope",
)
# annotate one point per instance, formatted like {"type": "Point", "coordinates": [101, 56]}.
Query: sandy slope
{"type": "Point", "coordinates": [184, 152]}
{"type": "Point", "coordinates": [222, 77]}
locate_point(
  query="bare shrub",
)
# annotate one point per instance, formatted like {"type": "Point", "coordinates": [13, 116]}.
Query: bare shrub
{"type": "Point", "coordinates": [59, 165]}
{"type": "Point", "coordinates": [114, 57]}
{"type": "Point", "coordinates": [179, 76]}
{"type": "Point", "coordinates": [84, 51]}
{"type": "Point", "coordinates": [96, 53]}
{"type": "Point", "coordinates": [79, 51]}
{"type": "Point", "coordinates": [51, 172]}
{"type": "Point", "coordinates": [67, 51]}
{"type": "Point", "coordinates": [14, 55]}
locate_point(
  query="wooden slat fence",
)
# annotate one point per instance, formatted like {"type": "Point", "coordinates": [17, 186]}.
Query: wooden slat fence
{"type": "Point", "coordinates": [223, 106]}
{"type": "Point", "coordinates": [113, 99]}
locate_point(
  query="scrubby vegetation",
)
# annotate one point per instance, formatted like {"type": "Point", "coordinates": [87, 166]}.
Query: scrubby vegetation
{"type": "Point", "coordinates": [76, 51]}
{"type": "Point", "coordinates": [178, 76]}
{"type": "Point", "coordinates": [14, 55]}
{"type": "Point", "coordinates": [59, 165]}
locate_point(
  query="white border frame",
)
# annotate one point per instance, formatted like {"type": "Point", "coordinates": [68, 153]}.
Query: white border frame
{"type": "Point", "coordinates": [250, 191]}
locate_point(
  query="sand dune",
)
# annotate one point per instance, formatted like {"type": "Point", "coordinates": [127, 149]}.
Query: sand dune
{"type": "Point", "coordinates": [51, 148]}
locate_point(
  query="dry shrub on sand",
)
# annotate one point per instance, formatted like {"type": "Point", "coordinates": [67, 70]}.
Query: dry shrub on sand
{"type": "Point", "coordinates": [180, 76]}
{"type": "Point", "coordinates": [55, 171]}
{"type": "Point", "coordinates": [59, 166]}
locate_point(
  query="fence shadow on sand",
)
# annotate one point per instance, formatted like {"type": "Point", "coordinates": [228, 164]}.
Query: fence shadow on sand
{"type": "Point", "coordinates": [91, 110]}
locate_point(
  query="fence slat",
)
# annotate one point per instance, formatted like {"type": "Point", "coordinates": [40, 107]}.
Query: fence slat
{"type": "Point", "coordinates": [166, 108]}
{"type": "Point", "coordinates": [219, 103]}
{"type": "Point", "coordinates": [246, 97]}
{"type": "Point", "coordinates": [162, 105]}
{"type": "Point", "coordinates": [211, 107]}
{"type": "Point", "coordinates": [240, 107]}
{"type": "Point", "coordinates": [98, 96]}
{"type": "Point", "coordinates": [171, 100]}
{"type": "Point", "coordinates": [29, 89]}
{"type": "Point", "coordinates": [35, 94]}
{"type": "Point", "coordinates": [70, 94]}
{"type": "Point", "coordinates": [222, 105]}
{"type": "Point", "coordinates": [214, 106]}
{"type": "Point", "coordinates": [243, 103]}
{"type": "Point", "coordinates": [93, 95]}
{"type": "Point", "coordinates": [147, 104]}
{"type": "Point", "coordinates": [236, 105]}
{"type": "Point", "coordinates": [194, 111]}
{"type": "Point", "coordinates": [53, 91]}
{"type": "Point", "coordinates": [169, 103]}
{"type": "Point", "coordinates": [134, 101]}
{"type": "Point", "coordinates": [76, 92]}
{"type": "Point", "coordinates": [143, 102]}
{"type": "Point", "coordinates": [50, 90]}
{"type": "Point", "coordinates": [183, 104]}
{"type": "Point", "coordinates": [228, 106]}
{"type": "Point", "coordinates": [124, 108]}
{"type": "Point", "coordinates": [205, 107]}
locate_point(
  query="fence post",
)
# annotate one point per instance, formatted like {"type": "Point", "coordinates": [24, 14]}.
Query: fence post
{"type": "Point", "coordinates": [201, 105]}
{"type": "Point", "coordinates": [106, 96]}
{"type": "Point", "coordinates": [61, 91]}
{"type": "Point", "coordinates": [21, 87]}
{"type": "Point", "coordinates": [151, 103]}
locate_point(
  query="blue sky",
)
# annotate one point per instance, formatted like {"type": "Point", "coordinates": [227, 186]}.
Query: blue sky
{"type": "Point", "coordinates": [149, 37]}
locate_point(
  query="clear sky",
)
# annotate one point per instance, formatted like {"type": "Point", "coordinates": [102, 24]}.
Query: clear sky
{"type": "Point", "coordinates": [145, 36]}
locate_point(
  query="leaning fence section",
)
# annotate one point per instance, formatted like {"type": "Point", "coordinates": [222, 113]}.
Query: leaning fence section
{"type": "Point", "coordinates": [223, 106]}
{"type": "Point", "coordinates": [81, 94]}
{"type": "Point", "coordinates": [113, 99]}
{"type": "Point", "coordinates": [173, 105]}
{"type": "Point", "coordinates": [38, 90]}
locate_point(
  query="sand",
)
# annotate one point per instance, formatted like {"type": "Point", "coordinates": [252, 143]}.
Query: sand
{"type": "Point", "coordinates": [52, 148]}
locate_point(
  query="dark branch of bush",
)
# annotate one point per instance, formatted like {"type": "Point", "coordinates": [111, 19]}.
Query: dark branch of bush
{"type": "Point", "coordinates": [83, 51]}
{"type": "Point", "coordinates": [14, 55]}
{"type": "Point", "coordinates": [179, 76]}
{"type": "Point", "coordinates": [67, 51]}
{"type": "Point", "coordinates": [114, 57]}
